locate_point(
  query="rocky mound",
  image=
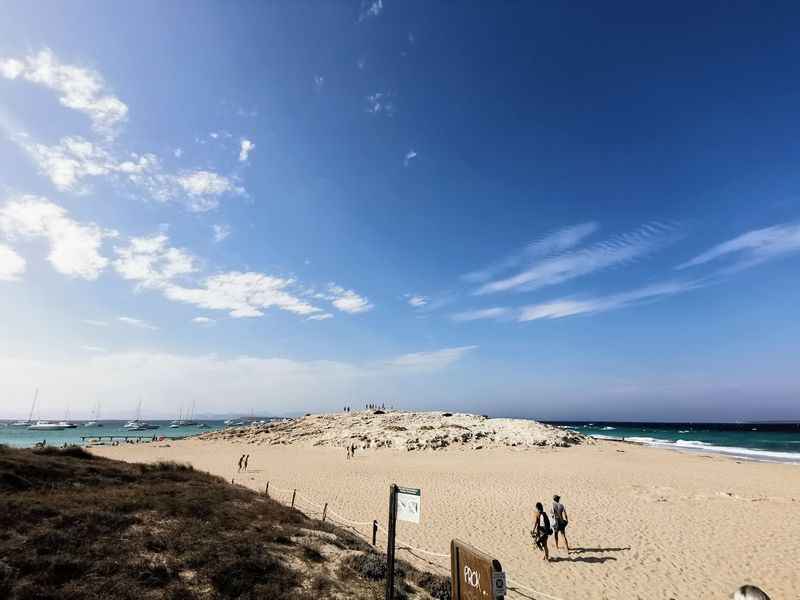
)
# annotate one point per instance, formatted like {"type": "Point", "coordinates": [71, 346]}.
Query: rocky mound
{"type": "Point", "coordinates": [405, 431]}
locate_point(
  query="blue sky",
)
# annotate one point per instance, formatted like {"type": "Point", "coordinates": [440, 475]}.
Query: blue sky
{"type": "Point", "coordinates": [553, 212]}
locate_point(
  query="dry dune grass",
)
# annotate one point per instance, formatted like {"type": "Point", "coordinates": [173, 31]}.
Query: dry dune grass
{"type": "Point", "coordinates": [73, 525]}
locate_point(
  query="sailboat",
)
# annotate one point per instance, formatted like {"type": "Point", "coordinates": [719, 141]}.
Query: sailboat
{"type": "Point", "coordinates": [137, 424]}
{"type": "Point", "coordinates": [95, 416]}
{"type": "Point", "coordinates": [179, 421]}
{"type": "Point", "coordinates": [66, 424]}
{"type": "Point", "coordinates": [29, 422]}
{"type": "Point", "coordinates": [191, 422]}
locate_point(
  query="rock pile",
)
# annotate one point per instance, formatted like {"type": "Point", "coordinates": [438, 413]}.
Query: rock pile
{"type": "Point", "coordinates": [405, 431]}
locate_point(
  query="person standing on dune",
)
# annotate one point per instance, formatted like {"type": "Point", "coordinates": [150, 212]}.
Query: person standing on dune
{"type": "Point", "coordinates": [241, 462]}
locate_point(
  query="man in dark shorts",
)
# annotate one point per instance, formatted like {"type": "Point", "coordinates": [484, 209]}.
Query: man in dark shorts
{"type": "Point", "coordinates": [560, 521]}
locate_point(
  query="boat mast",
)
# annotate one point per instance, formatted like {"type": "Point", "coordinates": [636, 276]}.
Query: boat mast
{"type": "Point", "coordinates": [33, 405]}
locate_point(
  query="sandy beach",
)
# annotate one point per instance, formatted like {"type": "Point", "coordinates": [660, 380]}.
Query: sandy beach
{"type": "Point", "coordinates": [644, 523]}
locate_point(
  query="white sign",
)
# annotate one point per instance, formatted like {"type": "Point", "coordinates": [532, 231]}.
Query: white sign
{"type": "Point", "coordinates": [408, 503]}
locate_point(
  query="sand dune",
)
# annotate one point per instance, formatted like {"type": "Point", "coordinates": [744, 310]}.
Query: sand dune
{"type": "Point", "coordinates": [645, 523]}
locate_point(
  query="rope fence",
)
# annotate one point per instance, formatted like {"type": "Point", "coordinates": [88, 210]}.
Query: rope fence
{"type": "Point", "coordinates": [333, 516]}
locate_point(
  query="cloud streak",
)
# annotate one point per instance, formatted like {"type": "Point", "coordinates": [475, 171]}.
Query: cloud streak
{"type": "Point", "coordinates": [138, 323]}
{"type": "Point", "coordinates": [753, 247]}
{"type": "Point", "coordinates": [568, 307]}
{"type": "Point", "coordinates": [559, 266]}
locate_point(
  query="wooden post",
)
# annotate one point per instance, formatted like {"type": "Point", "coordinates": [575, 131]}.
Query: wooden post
{"type": "Point", "coordinates": [324, 512]}
{"type": "Point", "coordinates": [374, 531]}
{"type": "Point", "coordinates": [266, 491]}
{"type": "Point", "coordinates": [294, 493]}
{"type": "Point", "coordinates": [390, 543]}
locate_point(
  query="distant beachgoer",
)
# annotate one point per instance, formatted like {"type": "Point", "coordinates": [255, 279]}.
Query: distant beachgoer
{"type": "Point", "coordinates": [560, 521]}
{"type": "Point", "coordinates": [353, 450]}
{"type": "Point", "coordinates": [246, 460]}
{"type": "Point", "coordinates": [241, 462]}
{"type": "Point", "coordinates": [541, 530]}
{"type": "Point", "coordinates": [348, 452]}
{"type": "Point", "coordinates": [749, 592]}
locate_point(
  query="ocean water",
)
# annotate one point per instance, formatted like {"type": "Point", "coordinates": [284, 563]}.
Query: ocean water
{"type": "Point", "coordinates": [771, 442]}
{"type": "Point", "coordinates": [24, 437]}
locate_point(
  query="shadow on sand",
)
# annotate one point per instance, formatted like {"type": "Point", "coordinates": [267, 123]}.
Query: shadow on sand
{"type": "Point", "coordinates": [588, 559]}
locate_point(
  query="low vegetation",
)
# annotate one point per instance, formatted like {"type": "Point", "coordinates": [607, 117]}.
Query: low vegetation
{"type": "Point", "coordinates": [73, 525]}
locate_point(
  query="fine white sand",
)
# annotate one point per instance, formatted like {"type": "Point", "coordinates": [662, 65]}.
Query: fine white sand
{"type": "Point", "coordinates": [644, 522]}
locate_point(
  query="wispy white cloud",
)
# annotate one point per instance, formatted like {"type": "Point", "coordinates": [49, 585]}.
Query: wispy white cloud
{"type": "Point", "coordinates": [319, 83]}
{"type": "Point", "coordinates": [12, 265]}
{"type": "Point", "coordinates": [137, 323]}
{"type": "Point", "coordinates": [178, 152]}
{"type": "Point", "coordinates": [74, 159]}
{"type": "Point", "coordinates": [204, 321]}
{"type": "Point", "coordinates": [410, 155]}
{"type": "Point", "coordinates": [245, 148]}
{"type": "Point", "coordinates": [361, 63]}
{"type": "Point", "coordinates": [416, 300]}
{"type": "Point", "coordinates": [242, 294]}
{"type": "Point", "coordinates": [411, 39]}
{"type": "Point", "coordinates": [79, 88]}
{"type": "Point", "coordinates": [96, 323]}
{"type": "Point", "coordinates": [320, 317]}
{"type": "Point", "coordinates": [567, 307]}
{"type": "Point", "coordinates": [434, 360]}
{"type": "Point", "coordinates": [152, 262]}
{"type": "Point", "coordinates": [93, 349]}
{"type": "Point", "coordinates": [552, 243]}
{"type": "Point", "coordinates": [496, 312]}
{"type": "Point", "coordinates": [221, 232]}
{"type": "Point", "coordinates": [557, 267]}
{"type": "Point", "coordinates": [753, 247]}
{"type": "Point", "coordinates": [370, 9]}
{"type": "Point", "coordinates": [347, 300]}
{"type": "Point", "coordinates": [74, 247]}
{"type": "Point", "coordinates": [381, 103]}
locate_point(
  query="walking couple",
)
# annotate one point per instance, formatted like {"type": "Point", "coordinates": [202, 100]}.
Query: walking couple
{"type": "Point", "coordinates": [543, 529]}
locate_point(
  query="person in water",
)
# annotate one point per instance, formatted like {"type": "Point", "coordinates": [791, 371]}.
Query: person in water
{"type": "Point", "coordinates": [560, 521]}
{"type": "Point", "coordinates": [541, 530]}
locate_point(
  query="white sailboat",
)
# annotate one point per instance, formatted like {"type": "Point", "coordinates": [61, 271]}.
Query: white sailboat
{"type": "Point", "coordinates": [137, 424]}
{"type": "Point", "coordinates": [95, 416]}
{"type": "Point", "coordinates": [46, 426]}
{"type": "Point", "coordinates": [29, 422]}
{"type": "Point", "coordinates": [66, 424]}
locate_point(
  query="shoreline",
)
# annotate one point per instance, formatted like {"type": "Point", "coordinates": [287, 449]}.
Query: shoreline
{"type": "Point", "coordinates": [754, 455]}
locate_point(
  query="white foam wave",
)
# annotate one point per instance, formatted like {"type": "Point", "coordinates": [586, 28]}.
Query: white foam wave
{"type": "Point", "coordinates": [608, 428]}
{"type": "Point", "coordinates": [745, 453]}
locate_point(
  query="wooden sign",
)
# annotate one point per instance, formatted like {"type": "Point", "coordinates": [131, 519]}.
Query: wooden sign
{"type": "Point", "coordinates": [474, 574]}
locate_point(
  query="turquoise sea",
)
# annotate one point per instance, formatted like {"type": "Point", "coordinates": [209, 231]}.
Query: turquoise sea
{"type": "Point", "coordinates": [771, 442]}
{"type": "Point", "coordinates": [24, 437]}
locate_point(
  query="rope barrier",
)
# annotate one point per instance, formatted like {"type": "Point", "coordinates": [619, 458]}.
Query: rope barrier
{"type": "Point", "coordinates": [402, 545]}
{"type": "Point", "coordinates": [407, 546]}
{"type": "Point", "coordinates": [513, 584]}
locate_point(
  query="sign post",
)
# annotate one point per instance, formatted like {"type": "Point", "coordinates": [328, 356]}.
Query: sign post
{"type": "Point", "coordinates": [404, 504]}
{"type": "Point", "coordinates": [474, 575]}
